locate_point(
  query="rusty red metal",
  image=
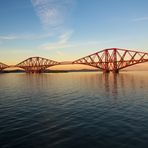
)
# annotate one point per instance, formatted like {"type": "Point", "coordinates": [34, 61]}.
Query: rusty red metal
{"type": "Point", "coordinates": [113, 59]}
{"type": "Point", "coordinates": [36, 64]}
{"type": "Point", "coordinates": [3, 66]}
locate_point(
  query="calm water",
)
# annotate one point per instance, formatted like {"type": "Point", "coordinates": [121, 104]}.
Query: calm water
{"type": "Point", "coordinates": [74, 110]}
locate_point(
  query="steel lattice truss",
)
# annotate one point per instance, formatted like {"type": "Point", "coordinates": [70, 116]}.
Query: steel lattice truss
{"type": "Point", "coordinates": [3, 66]}
{"type": "Point", "coordinates": [113, 59]}
{"type": "Point", "coordinates": [36, 64]}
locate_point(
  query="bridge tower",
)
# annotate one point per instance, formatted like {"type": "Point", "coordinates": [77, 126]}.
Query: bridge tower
{"type": "Point", "coordinates": [115, 64]}
{"type": "Point", "coordinates": [113, 59]}
{"type": "Point", "coordinates": [106, 64]}
{"type": "Point", "coordinates": [3, 66]}
{"type": "Point", "coordinates": [36, 64]}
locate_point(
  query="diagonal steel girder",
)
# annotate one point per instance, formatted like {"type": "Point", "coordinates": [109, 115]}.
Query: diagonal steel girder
{"type": "Point", "coordinates": [113, 59]}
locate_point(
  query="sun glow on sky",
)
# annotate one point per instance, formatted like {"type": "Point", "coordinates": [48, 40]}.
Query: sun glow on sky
{"type": "Point", "coordinates": [65, 30]}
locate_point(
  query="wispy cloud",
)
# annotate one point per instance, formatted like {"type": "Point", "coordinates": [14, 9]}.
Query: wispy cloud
{"type": "Point", "coordinates": [25, 36]}
{"type": "Point", "coordinates": [65, 37]}
{"type": "Point", "coordinates": [53, 15]}
{"type": "Point", "coordinates": [8, 37]}
{"type": "Point", "coordinates": [63, 42]}
{"type": "Point", "coordinates": [140, 19]}
{"type": "Point", "coordinates": [52, 12]}
{"type": "Point", "coordinates": [60, 53]}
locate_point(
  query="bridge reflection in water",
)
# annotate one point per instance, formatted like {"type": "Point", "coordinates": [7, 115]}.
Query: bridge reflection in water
{"type": "Point", "coordinates": [107, 60]}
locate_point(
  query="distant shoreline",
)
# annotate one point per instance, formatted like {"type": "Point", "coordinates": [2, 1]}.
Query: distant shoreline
{"type": "Point", "coordinates": [65, 71]}
{"type": "Point", "coordinates": [52, 71]}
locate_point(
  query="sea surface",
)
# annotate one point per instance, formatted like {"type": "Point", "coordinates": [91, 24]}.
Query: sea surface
{"type": "Point", "coordinates": [74, 110]}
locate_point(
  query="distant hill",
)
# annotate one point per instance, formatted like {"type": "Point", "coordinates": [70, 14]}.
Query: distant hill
{"type": "Point", "coordinates": [52, 71]}
{"type": "Point", "coordinates": [12, 71]}
{"type": "Point", "coordinates": [61, 71]}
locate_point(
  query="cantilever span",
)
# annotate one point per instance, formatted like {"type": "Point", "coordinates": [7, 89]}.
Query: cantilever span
{"type": "Point", "coordinates": [36, 64]}
{"type": "Point", "coordinates": [3, 66]}
{"type": "Point", "coordinates": [112, 59]}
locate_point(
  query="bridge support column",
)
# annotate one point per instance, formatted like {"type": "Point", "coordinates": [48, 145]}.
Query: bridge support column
{"type": "Point", "coordinates": [34, 71]}
{"type": "Point", "coordinates": [106, 71]}
{"type": "Point", "coordinates": [115, 71]}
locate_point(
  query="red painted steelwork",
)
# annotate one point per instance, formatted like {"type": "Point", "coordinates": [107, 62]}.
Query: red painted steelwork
{"type": "Point", "coordinates": [113, 59]}
{"type": "Point", "coordinates": [107, 60]}
{"type": "Point", "coordinates": [3, 66]}
{"type": "Point", "coordinates": [36, 64]}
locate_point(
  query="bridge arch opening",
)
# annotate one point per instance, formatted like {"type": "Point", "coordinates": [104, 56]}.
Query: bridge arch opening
{"type": "Point", "coordinates": [112, 59]}
{"type": "Point", "coordinates": [72, 67]}
{"type": "Point", "coordinates": [13, 69]}
{"type": "Point", "coordinates": [137, 67]}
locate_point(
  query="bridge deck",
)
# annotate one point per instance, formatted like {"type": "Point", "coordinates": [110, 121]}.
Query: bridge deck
{"type": "Point", "coordinates": [65, 62]}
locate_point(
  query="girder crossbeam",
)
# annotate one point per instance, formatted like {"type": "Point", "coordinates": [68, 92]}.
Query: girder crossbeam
{"type": "Point", "coordinates": [3, 66]}
{"type": "Point", "coordinates": [113, 59]}
{"type": "Point", "coordinates": [36, 64]}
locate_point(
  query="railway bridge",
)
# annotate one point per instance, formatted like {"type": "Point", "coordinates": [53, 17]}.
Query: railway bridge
{"type": "Point", "coordinates": [112, 59]}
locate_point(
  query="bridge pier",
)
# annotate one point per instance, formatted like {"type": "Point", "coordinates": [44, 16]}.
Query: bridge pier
{"type": "Point", "coordinates": [106, 71]}
{"type": "Point", "coordinates": [116, 71]}
{"type": "Point", "coordinates": [34, 71]}
{"type": "Point", "coordinates": [113, 71]}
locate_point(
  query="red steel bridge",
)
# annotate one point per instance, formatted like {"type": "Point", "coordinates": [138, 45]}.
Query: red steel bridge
{"type": "Point", "coordinates": [112, 59]}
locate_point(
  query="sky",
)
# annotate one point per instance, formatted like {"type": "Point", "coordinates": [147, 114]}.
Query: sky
{"type": "Point", "coordinates": [65, 30]}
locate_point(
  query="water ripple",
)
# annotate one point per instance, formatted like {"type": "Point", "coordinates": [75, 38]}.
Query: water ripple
{"type": "Point", "coordinates": [74, 110]}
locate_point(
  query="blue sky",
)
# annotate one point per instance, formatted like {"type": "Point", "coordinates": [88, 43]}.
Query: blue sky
{"type": "Point", "coordinates": [69, 29]}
